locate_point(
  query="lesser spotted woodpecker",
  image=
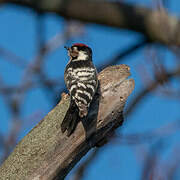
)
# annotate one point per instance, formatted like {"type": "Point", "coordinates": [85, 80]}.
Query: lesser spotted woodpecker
{"type": "Point", "coordinates": [81, 81]}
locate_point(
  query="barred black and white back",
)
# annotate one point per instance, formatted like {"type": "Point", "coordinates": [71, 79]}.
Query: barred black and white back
{"type": "Point", "coordinates": [81, 81]}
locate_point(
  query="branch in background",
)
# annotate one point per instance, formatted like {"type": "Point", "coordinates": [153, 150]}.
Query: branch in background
{"type": "Point", "coordinates": [13, 58]}
{"type": "Point", "coordinates": [142, 94]}
{"type": "Point", "coordinates": [46, 153]}
{"type": "Point", "coordinates": [150, 164]}
{"type": "Point", "coordinates": [146, 137]}
{"type": "Point", "coordinates": [173, 164]}
{"type": "Point", "coordinates": [123, 54]}
{"type": "Point", "coordinates": [155, 168]}
{"type": "Point", "coordinates": [80, 172]}
{"type": "Point", "coordinates": [157, 26]}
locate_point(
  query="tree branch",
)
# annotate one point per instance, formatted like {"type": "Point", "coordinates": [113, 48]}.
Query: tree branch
{"type": "Point", "coordinates": [156, 25]}
{"type": "Point", "coordinates": [45, 153]}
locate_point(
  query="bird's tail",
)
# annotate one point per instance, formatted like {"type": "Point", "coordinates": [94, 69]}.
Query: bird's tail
{"type": "Point", "coordinates": [71, 119]}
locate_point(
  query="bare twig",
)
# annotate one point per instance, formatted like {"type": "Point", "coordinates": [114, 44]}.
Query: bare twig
{"type": "Point", "coordinates": [79, 174]}
{"type": "Point", "coordinates": [119, 56]}
{"type": "Point", "coordinates": [13, 58]}
{"type": "Point", "coordinates": [139, 97]}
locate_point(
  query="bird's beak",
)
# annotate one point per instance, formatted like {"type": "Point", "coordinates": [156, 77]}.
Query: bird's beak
{"type": "Point", "coordinates": [67, 48]}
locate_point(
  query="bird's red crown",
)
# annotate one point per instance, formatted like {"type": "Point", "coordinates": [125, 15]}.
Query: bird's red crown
{"type": "Point", "coordinates": [80, 45]}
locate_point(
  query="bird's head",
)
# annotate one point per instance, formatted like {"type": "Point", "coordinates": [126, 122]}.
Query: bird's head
{"type": "Point", "coordinates": [79, 51]}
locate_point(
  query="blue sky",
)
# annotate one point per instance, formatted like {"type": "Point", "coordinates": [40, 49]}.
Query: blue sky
{"type": "Point", "coordinates": [18, 35]}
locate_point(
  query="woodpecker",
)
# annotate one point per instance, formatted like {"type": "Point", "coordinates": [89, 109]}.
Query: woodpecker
{"type": "Point", "coordinates": [81, 81]}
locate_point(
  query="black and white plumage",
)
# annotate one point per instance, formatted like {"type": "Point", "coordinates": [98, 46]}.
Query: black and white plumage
{"type": "Point", "coordinates": [81, 81]}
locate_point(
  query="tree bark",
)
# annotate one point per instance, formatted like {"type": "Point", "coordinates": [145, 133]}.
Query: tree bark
{"type": "Point", "coordinates": [45, 153]}
{"type": "Point", "coordinates": [156, 25]}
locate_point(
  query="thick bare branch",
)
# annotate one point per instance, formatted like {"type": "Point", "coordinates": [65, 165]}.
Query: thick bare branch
{"type": "Point", "coordinates": [156, 25]}
{"type": "Point", "coordinates": [46, 153]}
